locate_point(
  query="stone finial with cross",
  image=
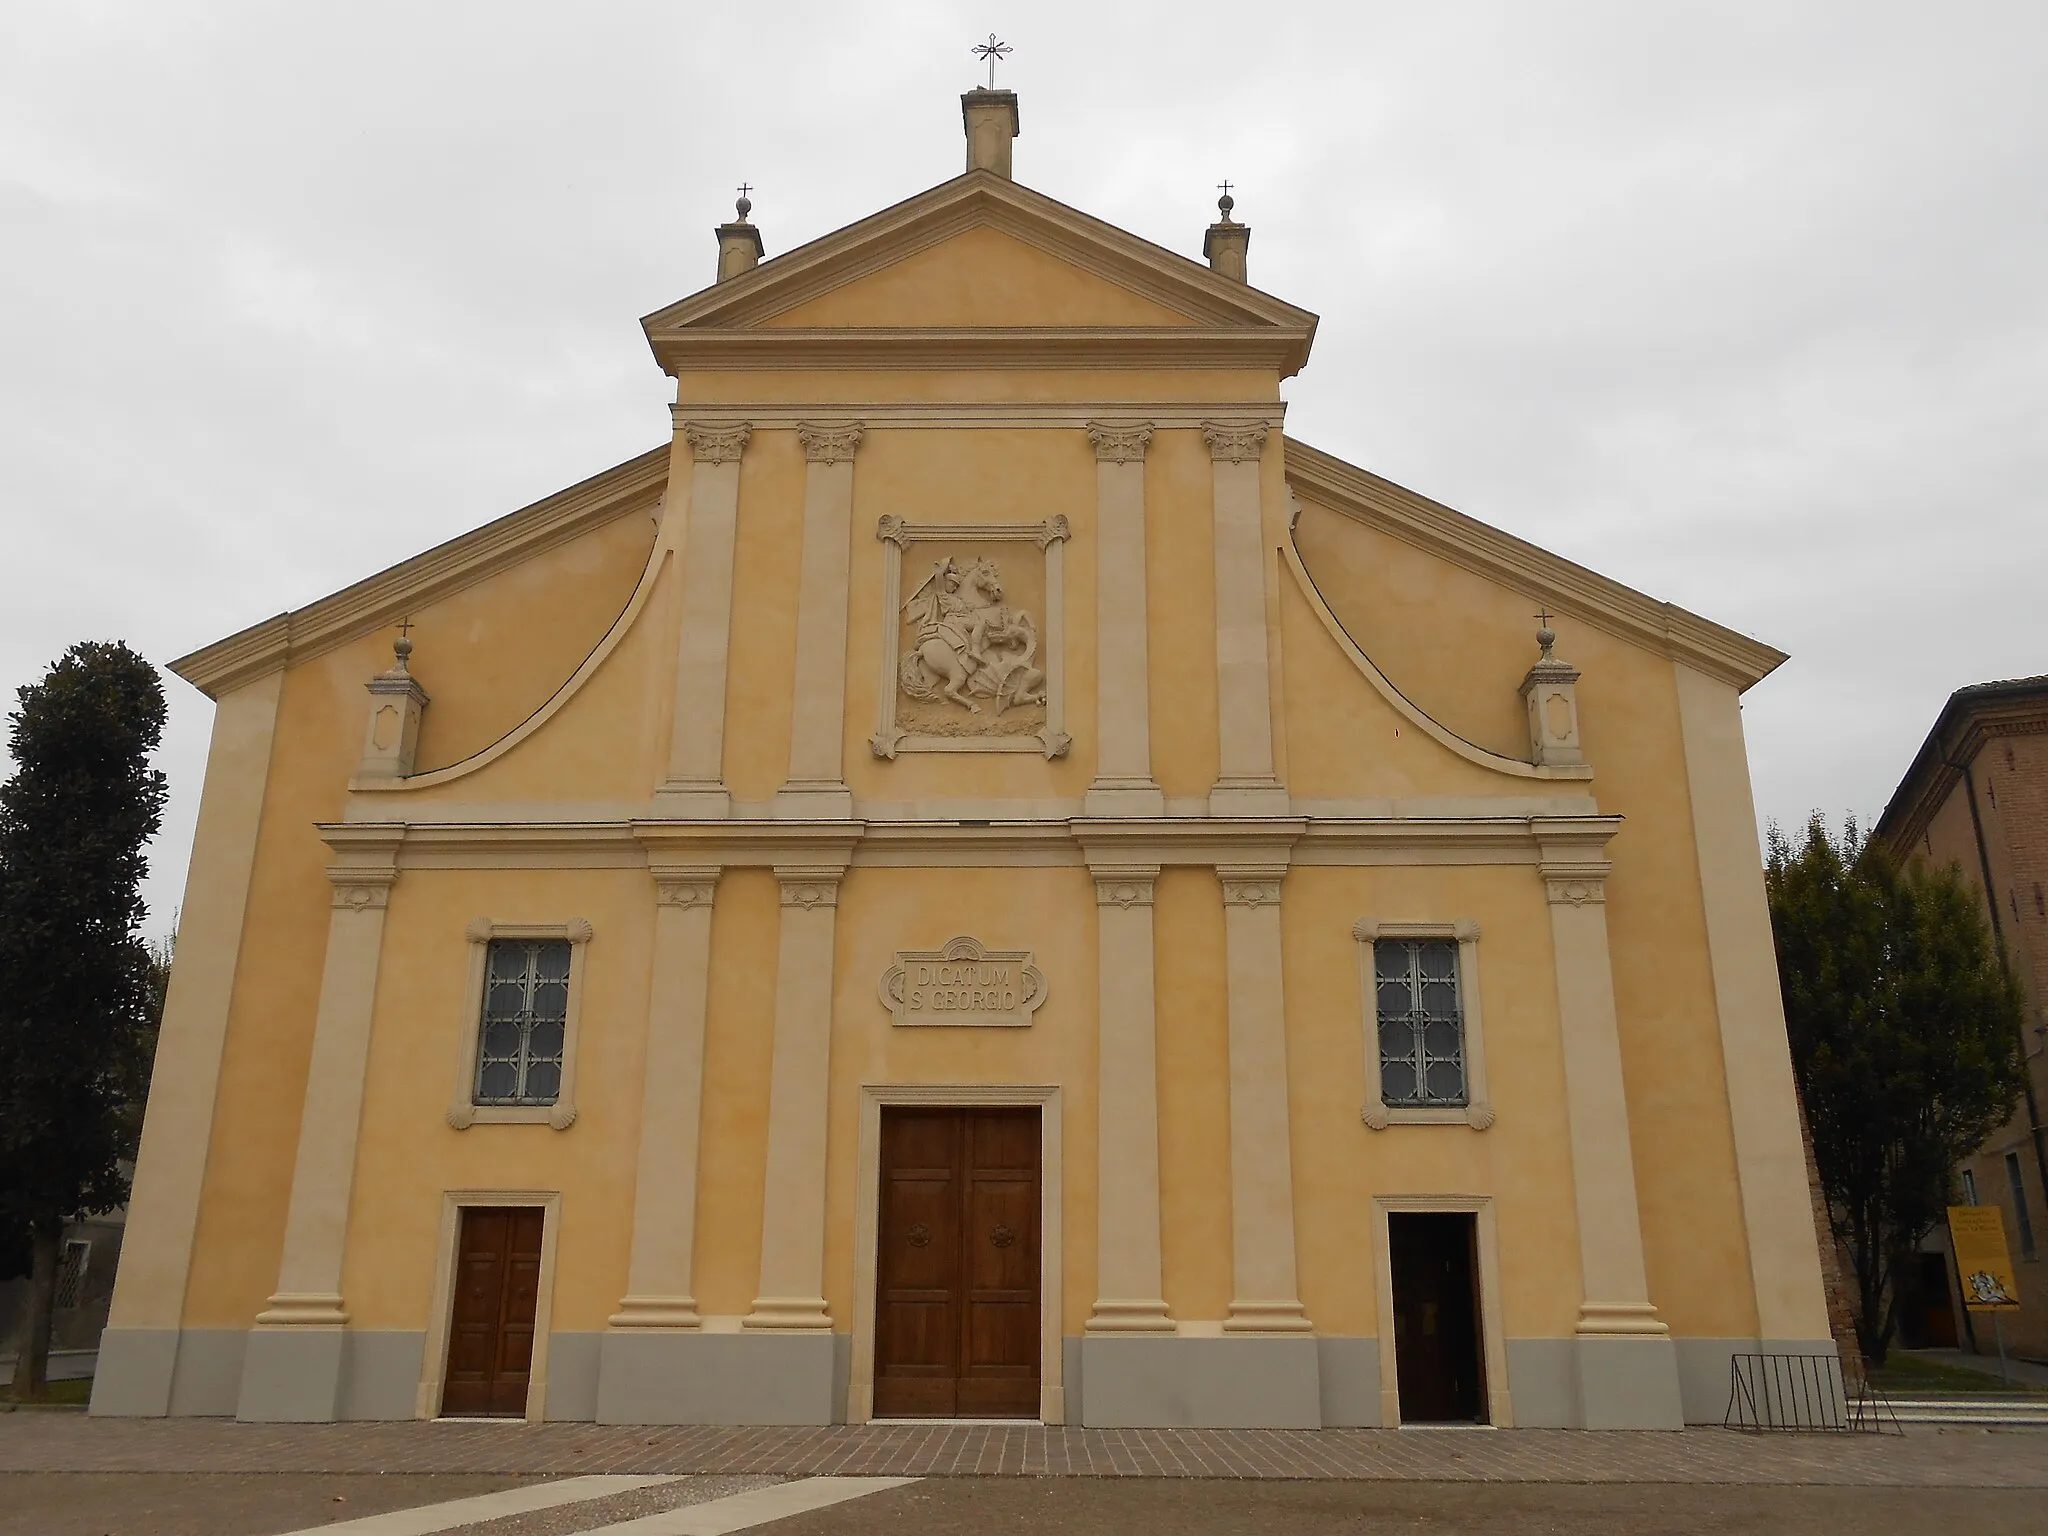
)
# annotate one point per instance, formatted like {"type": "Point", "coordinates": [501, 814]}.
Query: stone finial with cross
{"type": "Point", "coordinates": [993, 52]}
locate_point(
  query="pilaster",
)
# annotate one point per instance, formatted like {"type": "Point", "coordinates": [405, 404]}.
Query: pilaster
{"type": "Point", "coordinates": [283, 1379]}
{"type": "Point", "coordinates": [1265, 1297]}
{"type": "Point", "coordinates": [792, 1294]}
{"type": "Point", "coordinates": [1128, 1283]}
{"type": "Point", "coordinates": [817, 773]}
{"type": "Point", "coordinates": [1628, 1370]}
{"type": "Point", "coordinates": [1123, 785]}
{"type": "Point", "coordinates": [659, 1287]}
{"type": "Point", "coordinates": [695, 783]}
{"type": "Point", "coordinates": [1246, 784]}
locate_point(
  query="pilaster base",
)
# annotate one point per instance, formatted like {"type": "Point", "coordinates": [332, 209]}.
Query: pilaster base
{"type": "Point", "coordinates": [805, 801]}
{"type": "Point", "coordinates": [1115, 799]}
{"type": "Point", "coordinates": [693, 802]}
{"type": "Point", "coordinates": [655, 1312]}
{"type": "Point", "coordinates": [794, 1314]}
{"type": "Point", "coordinates": [1629, 1381]}
{"type": "Point", "coordinates": [291, 1375]}
{"type": "Point", "coordinates": [1199, 1383]}
{"type": "Point", "coordinates": [1129, 1317]}
{"type": "Point", "coordinates": [690, 1377]}
{"type": "Point", "coordinates": [1249, 797]}
{"type": "Point", "coordinates": [1267, 1317]}
{"type": "Point", "coordinates": [133, 1377]}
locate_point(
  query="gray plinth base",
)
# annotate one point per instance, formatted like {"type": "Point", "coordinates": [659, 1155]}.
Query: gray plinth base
{"type": "Point", "coordinates": [133, 1378]}
{"type": "Point", "coordinates": [1629, 1383]}
{"type": "Point", "coordinates": [682, 1376]}
{"type": "Point", "coordinates": [291, 1375]}
{"type": "Point", "coordinates": [1171, 1382]}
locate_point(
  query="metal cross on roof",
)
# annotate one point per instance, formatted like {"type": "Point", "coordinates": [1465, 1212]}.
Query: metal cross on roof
{"type": "Point", "coordinates": [992, 51]}
{"type": "Point", "coordinates": [1543, 618]}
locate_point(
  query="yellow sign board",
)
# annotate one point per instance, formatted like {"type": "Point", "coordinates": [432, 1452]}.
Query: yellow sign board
{"type": "Point", "coordinates": [1978, 1233]}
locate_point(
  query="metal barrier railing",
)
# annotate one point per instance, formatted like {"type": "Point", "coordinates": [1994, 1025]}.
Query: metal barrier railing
{"type": "Point", "coordinates": [1789, 1391]}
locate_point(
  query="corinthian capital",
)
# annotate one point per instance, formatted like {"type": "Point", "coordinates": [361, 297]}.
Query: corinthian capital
{"type": "Point", "coordinates": [1228, 444]}
{"type": "Point", "coordinates": [1120, 445]}
{"type": "Point", "coordinates": [717, 444]}
{"type": "Point", "coordinates": [829, 445]}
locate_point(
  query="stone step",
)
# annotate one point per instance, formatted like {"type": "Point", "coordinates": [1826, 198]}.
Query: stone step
{"type": "Point", "coordinates": [2029, 1411]}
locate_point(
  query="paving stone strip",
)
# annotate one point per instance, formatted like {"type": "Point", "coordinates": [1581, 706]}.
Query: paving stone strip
{"type": "Point", "coordinates": [1924, 1457]}
{"type": "Point", "coordinates": [607, 1514]}
{"type": "Point", "coordinates": [483, 1508]}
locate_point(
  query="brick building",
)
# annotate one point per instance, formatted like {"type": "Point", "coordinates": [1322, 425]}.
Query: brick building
{"type": "Point", "coordinates": [1977, 795]}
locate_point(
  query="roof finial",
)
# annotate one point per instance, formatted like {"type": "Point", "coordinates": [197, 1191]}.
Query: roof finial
{"type": "Point", "coordinates": [402, 646]}
{"type": "Point", "coordinates": [993, 52]}
{"type": "Point", "coordinates": [743, 207]}
{"type": "Point", "coordinates": [1226, 202]}
{"type": "Point", "coordinates": [1546, 636]}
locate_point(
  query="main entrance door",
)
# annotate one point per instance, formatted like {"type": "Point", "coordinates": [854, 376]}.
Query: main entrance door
{"type": "Point", "coordinates": [490, 1334]}
{"type": "Point", "coordinates": [956, 1294]}
{"type": "Point", "coordinates": [1438, 1358]}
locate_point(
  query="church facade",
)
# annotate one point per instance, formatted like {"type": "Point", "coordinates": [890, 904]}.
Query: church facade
{"type": "Point", "coordinates": [979, 879]}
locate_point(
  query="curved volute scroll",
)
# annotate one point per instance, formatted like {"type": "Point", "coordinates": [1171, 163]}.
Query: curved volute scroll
{"type": "Point", "coordinates": [657, 557]}
{"type": "Point", "coordinates": [1558, 767]}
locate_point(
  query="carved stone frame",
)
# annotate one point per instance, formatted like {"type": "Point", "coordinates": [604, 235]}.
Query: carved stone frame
{"type": "Point", "coordinates": [463, 1110]}
{"type": "Point", "coordinates": [1477, 1111]}
{"type": "Point", "coordinates": [874, 1097]}
{"type": "Point", "coordinates": [1051, 537]}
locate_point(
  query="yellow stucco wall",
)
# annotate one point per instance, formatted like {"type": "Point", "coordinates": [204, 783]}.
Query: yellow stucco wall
{"type": "Point", "coordinates": [1455, 643]}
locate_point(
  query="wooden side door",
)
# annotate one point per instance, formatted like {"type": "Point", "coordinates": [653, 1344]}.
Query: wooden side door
{"type": "Point", "coordinates": [957, 1282]}
{"type": "Point", "coordinates": [1439, 1364]}
{"type": "Point", "coordinates": [490, 1331]}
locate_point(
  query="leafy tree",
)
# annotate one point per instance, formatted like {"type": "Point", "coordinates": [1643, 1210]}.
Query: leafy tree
{"type": "Point", "coordinates": [1905, 1031]}
{"type": "Point", "coordinates": [77, 1010]}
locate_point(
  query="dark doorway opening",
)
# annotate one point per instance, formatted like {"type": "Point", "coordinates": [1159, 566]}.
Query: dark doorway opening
{"type": "Point", "coordinates": [1439, 1360]}
{"type": "Point", "coordinates": [956, 1288]}
{"type": "Point", "coordinates": [490, 1327]}
{"type": "Point", "coordinates": [1927, 1318]}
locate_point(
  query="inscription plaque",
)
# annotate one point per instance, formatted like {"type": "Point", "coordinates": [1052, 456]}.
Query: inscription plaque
{"type": "Point", "coordinates": [963, 983]}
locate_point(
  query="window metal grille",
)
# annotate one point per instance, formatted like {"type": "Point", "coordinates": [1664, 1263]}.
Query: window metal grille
{"type": "Point", "coordinates": [526, 1009]}
{"type": "Point", "coordinates": [1422, 1023]}
{"type": "Point", "coordinates": [71, 1271]}
{"type": "Point", "coordinates": [2023, 1218]}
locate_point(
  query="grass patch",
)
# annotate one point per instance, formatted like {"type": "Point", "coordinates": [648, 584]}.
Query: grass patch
{"type": "Point", "coordinates": [1912, 1375]}
{"type": "Point", "coordinates": [65, 1393]}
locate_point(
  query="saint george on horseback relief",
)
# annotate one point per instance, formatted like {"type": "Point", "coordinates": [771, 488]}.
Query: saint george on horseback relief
{"type": "Point", "coordinates": [971, 649]}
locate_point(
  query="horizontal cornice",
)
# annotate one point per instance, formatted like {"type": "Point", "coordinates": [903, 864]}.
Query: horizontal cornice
{"type": "Point", "coordinates": [1537, 573]}
{"type": "Point", "coordinates": [901, 415]}
{"type": "Point", "coordinates": [631, 842]}
{"type": "Point", "coordinates": [1019, 346]}
{"type": "Point", "coordinates": [446, 568]}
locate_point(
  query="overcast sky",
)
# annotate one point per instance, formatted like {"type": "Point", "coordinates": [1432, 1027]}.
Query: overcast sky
{"type": "Point", "coordinates": [1740, 304]}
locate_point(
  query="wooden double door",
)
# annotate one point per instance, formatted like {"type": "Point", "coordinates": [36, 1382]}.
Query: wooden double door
{"type": "Point", "coordinates": [957, 1283]}
{"type": "Point", "coordinates": [490, 1330]}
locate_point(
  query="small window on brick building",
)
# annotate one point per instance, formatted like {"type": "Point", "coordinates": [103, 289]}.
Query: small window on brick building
{"type": "Point", "coordinates": [2010, 765]}
{"type": "Point", "coordinates": [2025, 1217]}
{"type": "Point", "coordinates": [1969, 1187]}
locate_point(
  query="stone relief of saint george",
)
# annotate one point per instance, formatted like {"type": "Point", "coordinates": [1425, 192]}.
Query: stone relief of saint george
{"type": "Point", "coordinates": [970, 646]}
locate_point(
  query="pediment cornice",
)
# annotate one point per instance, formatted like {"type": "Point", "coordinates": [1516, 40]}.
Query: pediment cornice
{"type": "Point", "coordinates": [1228, 323]}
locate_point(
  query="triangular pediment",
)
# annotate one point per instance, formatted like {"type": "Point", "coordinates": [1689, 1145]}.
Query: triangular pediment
{"type": "Point", "coordinates": [979, 260]}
